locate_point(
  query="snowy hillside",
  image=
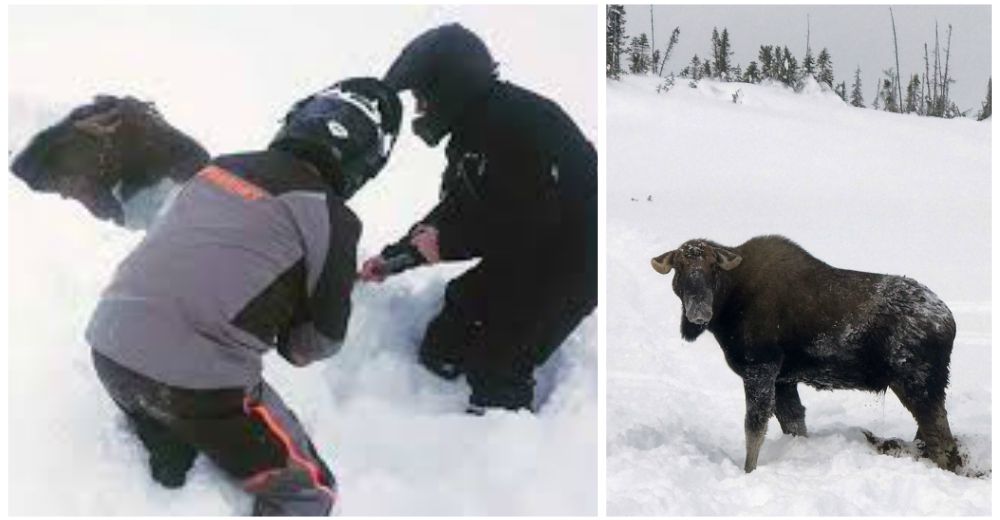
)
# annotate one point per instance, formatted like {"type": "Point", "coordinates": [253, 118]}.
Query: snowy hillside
{"type": "Point", "coordinates": [395, 436]}
{"type": "Point", "coordinates": [859, 189]}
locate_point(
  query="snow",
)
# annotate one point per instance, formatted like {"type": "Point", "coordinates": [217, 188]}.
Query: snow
{"type": "Point", "coordinates": [396, 437]}
{"type": "Point", "coordinates": [859, 189]}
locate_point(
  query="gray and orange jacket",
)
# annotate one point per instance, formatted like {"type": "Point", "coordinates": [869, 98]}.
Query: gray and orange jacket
{"type": "Point", "coordinates": [256, 252]}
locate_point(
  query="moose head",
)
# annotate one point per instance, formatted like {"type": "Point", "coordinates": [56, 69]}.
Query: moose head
{"type": "Point", "coordinates": [113, 142]}
{"type": "Point", "coordinates": [699, 265]}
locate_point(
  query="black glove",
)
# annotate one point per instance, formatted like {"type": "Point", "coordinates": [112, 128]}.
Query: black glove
{"type": "Point", "coordinates": [400, 257]}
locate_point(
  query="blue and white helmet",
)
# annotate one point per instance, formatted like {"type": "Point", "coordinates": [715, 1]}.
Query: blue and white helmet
{"type": "Point", "coordinates": [347, 130]}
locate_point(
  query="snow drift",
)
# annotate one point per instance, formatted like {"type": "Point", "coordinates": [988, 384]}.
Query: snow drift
{"type": "Point", "coordinates": [857, 188]}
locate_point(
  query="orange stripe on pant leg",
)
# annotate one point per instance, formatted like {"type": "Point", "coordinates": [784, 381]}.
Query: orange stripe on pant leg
{"type": "Point", "coordinates": [293, 452]}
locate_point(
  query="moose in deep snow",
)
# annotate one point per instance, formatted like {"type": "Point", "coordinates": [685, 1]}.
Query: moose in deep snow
{"type": "Point", "coordinates": [108, 153]}
{"type": "Point", "coordinates": [783, 317]}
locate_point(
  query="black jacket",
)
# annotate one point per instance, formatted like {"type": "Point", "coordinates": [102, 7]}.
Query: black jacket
{"type": "Point", "coordinates": [521, 181]}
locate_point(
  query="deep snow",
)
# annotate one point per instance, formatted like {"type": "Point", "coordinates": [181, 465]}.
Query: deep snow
{"type": "Point", "coordinates": [859, 189]}
{"type": "Point", "coordinates": [395, 436]}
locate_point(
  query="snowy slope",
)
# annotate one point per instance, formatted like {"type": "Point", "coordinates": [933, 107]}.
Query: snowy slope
{"type": "Point", "coordinates": [857, 188]}
{"type": "Point", "coordinates": [395, 436]}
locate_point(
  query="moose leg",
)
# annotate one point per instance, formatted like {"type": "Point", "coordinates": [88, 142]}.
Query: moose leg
{"type": "Point", "coordinates": [932, 425]}
{"type": "Point", "coordinates": [789, 410]}
{"type": "Point", "coordinates": [758, 386]}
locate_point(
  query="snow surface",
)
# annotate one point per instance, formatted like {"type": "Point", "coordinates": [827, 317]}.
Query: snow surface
{"type": "Point", "coordinates": [395, 436]}
{"type": "Point", "coordinates": [857, 188]}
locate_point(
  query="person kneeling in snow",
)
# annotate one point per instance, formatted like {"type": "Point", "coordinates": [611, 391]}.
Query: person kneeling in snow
{"type": "Point", "coordinates": [258, 251]}
{"type": "Point", "coordinates": [520, 193]}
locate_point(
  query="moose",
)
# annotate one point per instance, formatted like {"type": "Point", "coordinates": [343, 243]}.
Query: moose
{"type": "Point", "coordinates": [784, 317]}
{"type": "Point", "coordinates": [107, 153]}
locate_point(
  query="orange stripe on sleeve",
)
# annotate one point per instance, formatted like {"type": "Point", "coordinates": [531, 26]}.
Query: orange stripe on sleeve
{"type": "Point", "coordinates": [231, 183]}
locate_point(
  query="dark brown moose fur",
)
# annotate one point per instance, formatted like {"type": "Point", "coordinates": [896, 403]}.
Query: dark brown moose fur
{"type": "Point", "coordinates": [783, 317]}
{"type": "Point", "coordinates": [112, 143]}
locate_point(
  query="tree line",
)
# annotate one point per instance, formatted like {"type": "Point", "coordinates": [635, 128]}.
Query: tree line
{"type": "Point", "coordinates": [925, 95]}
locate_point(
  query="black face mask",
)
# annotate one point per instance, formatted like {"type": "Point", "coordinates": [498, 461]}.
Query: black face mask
{"type": "Point", "coordinates": [351, 184]}
{"type": "Point", "coordinates": [355, 174]}
{"type": "Point", "coordinates": [430, 129]}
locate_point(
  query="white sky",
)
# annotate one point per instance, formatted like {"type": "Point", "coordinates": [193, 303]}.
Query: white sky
{"type": "Point", "coordinates": [226, 74]}
{"type": "Point", "coordinates": [247, 64]}
{"type": "Point", "coordinates": [855, 35]}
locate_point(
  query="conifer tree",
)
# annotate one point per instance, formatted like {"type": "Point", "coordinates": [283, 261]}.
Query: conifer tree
{"type": "Point", "coordinates": [716, 47]}
{"type": "Point", "coordinates": [987, 108]}
{"type": "Point", "coordinates": [639, 54]}
{"type": "Point", "coordinates": [841, 90]}
{"type": "Point", "coordinates": [824, 68]}
{"type": "Point", "coordinates": [780, 66]}
{"type": "Point", "coordinates": [790, 68]}
{"type": "Point", "coordinates": [889, 96]}
{"type": "Point", "coordinates": [766, 57]}
{"type": "Point", "coordinates": [954, 111]}
{"type": "Point", "coordinates": [694, 68]}
{"type": "Point", "coordinates": [752, 73]}
{"type": "Point", "coordinates": [889, 101]}
{"type": "Point", "coordinates": [614, 40]}
{"type": "Point", "coordinates": [808, 64]}
{"type": "Point", "coordinates": [724, 60]}
{"type": "Point", "coordinates": [857, 99]}
{"type": "Point", "coordinates": [911, 102]}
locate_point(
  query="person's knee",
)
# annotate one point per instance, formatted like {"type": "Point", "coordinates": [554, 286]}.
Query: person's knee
{"type": "Point", "coordinates": [170, 458]}
{"type": "Point", "coordinates": [508, 389]}
{"type": "Point", "coordinates": [445, 342]}
{"type": "Point", "coordinates": [292, 490]}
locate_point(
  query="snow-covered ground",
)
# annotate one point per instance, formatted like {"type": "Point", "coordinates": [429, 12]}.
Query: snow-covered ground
{"type": "Point", "coordinates": [859, 189]}
{"type": "Point", "coordinates": [395, 436]}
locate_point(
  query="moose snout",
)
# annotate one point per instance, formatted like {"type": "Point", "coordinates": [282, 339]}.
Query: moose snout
{"type": "Point", "coordinates": [697, 313]}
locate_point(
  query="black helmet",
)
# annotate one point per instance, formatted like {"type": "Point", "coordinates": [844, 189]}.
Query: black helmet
{"type": "Point", "coordinates": [448, 67]}
{"type": "Point", "coordinates": [346, 130]}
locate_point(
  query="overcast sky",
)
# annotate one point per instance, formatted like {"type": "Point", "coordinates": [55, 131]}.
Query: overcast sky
{"type": "Point", "coordinates": [226, 74]}
{"type": "Point", "coordinates": [249, 63]}
{"type": "Point", "coordinates": [855, 36]}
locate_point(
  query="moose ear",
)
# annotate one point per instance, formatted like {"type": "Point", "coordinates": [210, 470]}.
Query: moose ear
{"type": "Point", "coordinates": [100, 124]}
{"type": "Point", "coordinates": [663, 263]}
{"type": "Point", "coordinates": [728, 259]}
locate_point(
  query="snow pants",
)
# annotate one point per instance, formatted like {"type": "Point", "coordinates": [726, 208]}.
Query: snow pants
{"type": "Point", "coordinates": [249, 433]}
{"type": "Point", "coordinates": [498, 329]}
